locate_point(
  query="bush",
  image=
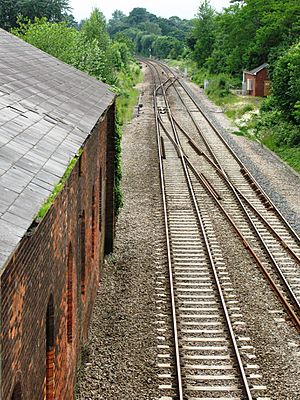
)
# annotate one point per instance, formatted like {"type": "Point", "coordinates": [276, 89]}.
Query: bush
{"type": "Point", "coordinates": [286, 84]}
{"type": "Point", "coordinates": [219, 86]}
{"type": "Point", "coordinates": [272, 129]}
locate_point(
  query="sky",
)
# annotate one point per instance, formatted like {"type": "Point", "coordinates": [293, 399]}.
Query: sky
{"type": "Point", "coordinates": [162, 8]}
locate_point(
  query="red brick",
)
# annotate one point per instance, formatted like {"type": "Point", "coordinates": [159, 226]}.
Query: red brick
{"type": "Point", "coordinates": [39, 268]}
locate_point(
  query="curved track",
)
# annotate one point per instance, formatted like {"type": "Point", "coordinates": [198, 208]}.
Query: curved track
{"type": "Point", "coordinates": [198, 168]}
{"type": "Point", "coordinates": [265, 233]}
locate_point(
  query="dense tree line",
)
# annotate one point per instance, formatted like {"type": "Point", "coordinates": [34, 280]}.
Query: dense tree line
{"type": "Point", "coordinates": [244, 35]}
{"type": "Point", "coordinates": [53, 10]}
{"type": "Point", "coordinates": [151, 35]}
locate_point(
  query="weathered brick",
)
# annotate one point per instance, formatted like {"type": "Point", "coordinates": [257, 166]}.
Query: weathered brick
{"type": "Point", "coordinates": [39, 268]}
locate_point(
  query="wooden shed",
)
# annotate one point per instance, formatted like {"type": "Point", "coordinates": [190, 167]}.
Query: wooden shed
{"type": "Point", "coordinates": [256, 82]}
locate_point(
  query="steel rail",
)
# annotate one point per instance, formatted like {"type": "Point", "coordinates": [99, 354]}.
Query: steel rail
{"type": "Point", "coordinates": [169, 257]}
{"type": "Point", "coordinates": [227, 178]}
{"type": "Point", "coordinates": [237, 195]}
{"type": "Point", "coordinates": [211, 260]}
{"type": "Point", "coordinates": [246, 244]}
{"type": "Point", "coordinates": [283, 219]}
{"type": "Point", "coordinates": [192, 96]}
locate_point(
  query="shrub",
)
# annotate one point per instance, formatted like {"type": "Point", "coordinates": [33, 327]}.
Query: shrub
{"type": "Point", "coordinates": [286, 83]}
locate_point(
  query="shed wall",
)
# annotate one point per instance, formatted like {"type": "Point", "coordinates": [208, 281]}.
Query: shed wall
{"type": "Point", "coordinates": [261, 77]}
{"type": "Point", "coordinates": [258, 82]}
{"type": "Point", "coordinates": [39, 269]}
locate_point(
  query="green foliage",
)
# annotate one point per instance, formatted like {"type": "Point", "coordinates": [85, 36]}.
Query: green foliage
{"type": "Point", "coordinates": [244, 35]}
{"type": "Point", "coordinates": [89, 50]}
{"type": "Point", "coordinates": [53, 10]}
{"type": "Point", "coordinates": [151, 35]}
{"type": "Point", "coordinates": [271, 128]}
{"type": "Point", "coordinates": [118, 168]}
{"type": "Point", "coordinates": [286, 84]}
{"type": "Point", "coordinates": [56, 39]}
{"type": "Point", "coordinates": [127, 94]}
{"type": "Point", "coordinates": [201, 39]}
{"type": "Point", "coordinates": [57, 188]}
{"type": "Point", "coordinates": [126, 101]}
{"type": "Point", "coordinates": [94, 28]}
{"type": "Point", "coordinates": [167, 47]}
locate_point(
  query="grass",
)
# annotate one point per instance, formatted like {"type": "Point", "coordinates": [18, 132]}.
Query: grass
{"type": "Point", "coordinates": [57, 188]}
{"type": "Point", "coordinates": [126, 102]}
{"type": "Point", "coordinates": [222, 91]}
{"type": "Point", "coordinates": [291, 155]}
{"type": "Point", "coordinates": [128, 95]}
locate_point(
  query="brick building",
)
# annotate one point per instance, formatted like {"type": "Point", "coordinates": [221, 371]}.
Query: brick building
{"type": "Point", "coordinates": [256, 82]}
{"type": "Point", "coordinates": [50, 268]}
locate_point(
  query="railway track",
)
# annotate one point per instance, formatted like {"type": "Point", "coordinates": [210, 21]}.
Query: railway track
{"type": "Point", "coordinates": [207, 348]}
{"type": "Point", "coordinates": [208, 351]}
{"type": "Point", "coordinates": [264, 231]}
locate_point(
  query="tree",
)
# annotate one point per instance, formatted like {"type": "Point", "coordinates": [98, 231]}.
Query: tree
{"type": "Point", "coordinates": [203, 33]}
{"type": "Point", "coordinates": [166, 46]}
{"type": "Point", "coordinates": [150, 27]}
{"type": "Point", "coordinates": [286, 84]}
{"type": "Point", "coordinates": [146, 44]}
{"type": "Point", "coordinates": [117, 23]}
{"type": "Point", "coordinates": [94, 34]}
{"type": "Point", "coordinates": [139, 15]}
{"type": "Point", "coordinates": [118, 15]}
{"type": "Point", "coordinates": [94, 28]}
{"type": "Point", "coordinates": [56, 39]}
{"type": "Point", "coordinates": [53, 10]}
{"type": "Point", "coordinates": [251, 32]}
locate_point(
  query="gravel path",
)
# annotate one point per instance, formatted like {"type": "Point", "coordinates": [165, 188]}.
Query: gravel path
{"type": "Point", "coordinates": [120, 357]}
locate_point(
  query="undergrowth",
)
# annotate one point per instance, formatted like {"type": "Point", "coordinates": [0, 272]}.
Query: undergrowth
{"type": "Point", "coordinates": [282, 137]}
{"type": "Point", "coordinates": [126, 101]}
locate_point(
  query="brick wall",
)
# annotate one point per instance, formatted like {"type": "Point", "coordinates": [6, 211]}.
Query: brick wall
{"type": "Point", "coordinates": [258, 81]}
{"type": "Point", "coordinates": [261, 77]}
{"type": "Point", "coordinates": [53, 261]}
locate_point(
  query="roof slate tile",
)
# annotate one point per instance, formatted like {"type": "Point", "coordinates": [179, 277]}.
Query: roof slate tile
{"type": "Point", "coordinates": [47, 110]}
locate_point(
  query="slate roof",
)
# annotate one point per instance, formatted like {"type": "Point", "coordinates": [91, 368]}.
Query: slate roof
{"type": "Point", "coordinates": [257, 69]}
{"type": "Point", "coordinates": [47, 110]}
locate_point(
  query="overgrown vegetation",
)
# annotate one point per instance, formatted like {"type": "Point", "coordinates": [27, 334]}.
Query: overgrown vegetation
{"type": "Point", "coordinates": [243, 36]}
{"type": "Point", "coordinates": [57, 188]}
{"type": "Point", "coordinates": [213, 46]}
{"type": "Point", "coordinates": [151, 35]}
{"type": "Point", "coordinates": [126, 102]}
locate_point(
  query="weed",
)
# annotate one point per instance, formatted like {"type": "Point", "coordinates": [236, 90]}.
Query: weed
{"type": "Point", "coordinates": [57, 188]}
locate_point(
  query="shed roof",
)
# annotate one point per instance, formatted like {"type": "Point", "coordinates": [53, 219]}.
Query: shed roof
{"type": "Point", "coordinates": [47, 110]}
{"type": "Point", "coordinates": [257, 69]}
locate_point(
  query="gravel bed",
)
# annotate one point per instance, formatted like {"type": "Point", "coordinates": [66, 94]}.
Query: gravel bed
{"type": "Point", "coordinates": [277, 179]}
{"type": "Point", "coordinates": [119, 361]}
{"type": "Point", "coordinates": [276, 342]}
